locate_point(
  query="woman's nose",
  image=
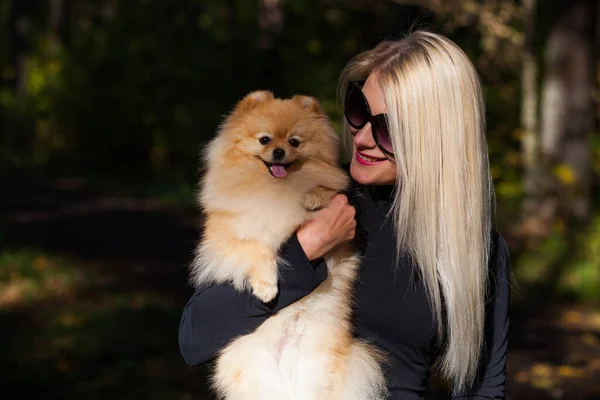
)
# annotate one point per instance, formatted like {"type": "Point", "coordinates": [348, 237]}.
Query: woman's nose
{"type": "Point", "coordinates": [364, 138]}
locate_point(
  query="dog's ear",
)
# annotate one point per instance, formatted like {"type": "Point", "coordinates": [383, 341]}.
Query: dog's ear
{"type": "Point", "coordinates": [307, 102]}
{"type": "Point", "coordinates": [253, 99]}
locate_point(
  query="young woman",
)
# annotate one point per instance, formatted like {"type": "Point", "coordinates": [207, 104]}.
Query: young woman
{"type": "Point", "coordinates": [433, 289]}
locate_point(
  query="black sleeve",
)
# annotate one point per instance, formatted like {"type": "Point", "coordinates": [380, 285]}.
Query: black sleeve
{"type": "Point", "coordinates": [492, 373]}
{"type": "Point", "coordinates": [217, 314]}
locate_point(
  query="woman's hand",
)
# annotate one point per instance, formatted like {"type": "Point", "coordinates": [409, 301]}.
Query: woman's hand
{"type": "Point", "coordinates": [331, 226]}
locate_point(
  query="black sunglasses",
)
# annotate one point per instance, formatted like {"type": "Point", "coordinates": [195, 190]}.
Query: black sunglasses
{"type": "Point", "coordinates": [358, 114]}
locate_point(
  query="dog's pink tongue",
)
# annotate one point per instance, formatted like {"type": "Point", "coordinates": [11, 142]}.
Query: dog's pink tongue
{"type": "Point", "coordinates": [278, 171]}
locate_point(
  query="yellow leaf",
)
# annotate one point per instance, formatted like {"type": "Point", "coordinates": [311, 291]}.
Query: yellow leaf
{"type": "Point", "coordinates": [518, 133]}
{"type": "Point", "coordinates": [590, 340]}
{"type": "Point", "coordinates": [565, 174]}
{"type": "Point", "coordinates": [572, 317]}
{"type": "Point", "coordinates": [512, 158]}
{"type": "Point", "coordinates": [594, 365]}
{"type": "Point", "coordinates": [496, 172]}
{"type": "Point", "coordinates": [522, 377]}
{"type": "Point", "coordinates": [70, 320]}
{"type": "Point", "coordinates": [541, 370]}
{"type": "Point", "coordinates": [559, 226]}
{"type": "Point", "coordinates": [594, 320]}
{"type": "Point", "coordinates": [40, 263]}
{"type": "Point", "coordinates": [544, 383]}
{"type": "Point", "coordinates": [568, 371]}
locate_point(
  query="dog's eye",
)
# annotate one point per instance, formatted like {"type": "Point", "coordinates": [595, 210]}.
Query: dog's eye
{"type": "Point", "coordinates": [294, 142]}
{"type": "Point", "coordinates": [264, 140]}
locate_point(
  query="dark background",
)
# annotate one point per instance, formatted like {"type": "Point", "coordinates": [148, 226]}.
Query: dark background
{"type": "Point", "coordinates": [104, 106]}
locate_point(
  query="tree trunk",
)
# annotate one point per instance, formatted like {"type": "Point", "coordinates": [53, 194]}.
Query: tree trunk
{"type": "Point", "coordinates": [56, 15]}
{"type": "Point", "coordinates": [59, 19]}
{"type": "Point", "coordinates": [271, 15]}
{"type": "Point", "coordinates": [109, 10]}
{"type": "Point", "coordinates": [568, 115]}
{"type": "Point", "coordinates": [18, 28]}
{"type": "Point", "coordinates": [529, 110]}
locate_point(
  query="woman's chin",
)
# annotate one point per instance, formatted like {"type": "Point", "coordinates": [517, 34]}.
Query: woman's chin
{"type": "Point", "coordinates": [379, 174]}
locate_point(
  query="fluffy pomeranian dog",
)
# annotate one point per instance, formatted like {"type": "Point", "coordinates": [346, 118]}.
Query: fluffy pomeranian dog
{"type": "Point", "coordinates": [271, 165]}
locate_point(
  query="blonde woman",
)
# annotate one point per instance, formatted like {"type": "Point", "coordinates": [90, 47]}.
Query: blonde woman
{"type": "Point", "coordinates": [433, 290]}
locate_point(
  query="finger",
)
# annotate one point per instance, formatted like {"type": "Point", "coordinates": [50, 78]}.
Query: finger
{"type": "Point", "coordinates": [351, 211]}
{"type": "Point", "coordinates": [341, 199]}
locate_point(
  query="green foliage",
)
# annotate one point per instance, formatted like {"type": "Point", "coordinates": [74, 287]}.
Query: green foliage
{"type": "Point", "coordinates": [581, 277]}
{"type": "Point", "coordinates": [27, 275]}
{"type": "Point", "coordinates": [71, 331]}
{"type": "Point", "coordinates": [144, 88]}
{"type": "Point", "coordinates": [566, 263]}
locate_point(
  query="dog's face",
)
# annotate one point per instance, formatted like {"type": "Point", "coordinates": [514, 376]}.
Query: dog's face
{"type": "Point", "coordinates": [280, 135]}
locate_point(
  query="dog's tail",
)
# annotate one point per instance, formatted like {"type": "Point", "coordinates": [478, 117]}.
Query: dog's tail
{"type": "Point", "coordinates": [364, 377]}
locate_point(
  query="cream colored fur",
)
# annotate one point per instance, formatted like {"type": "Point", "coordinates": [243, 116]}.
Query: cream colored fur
{"type": "Point", "coordinates": [305, 351]}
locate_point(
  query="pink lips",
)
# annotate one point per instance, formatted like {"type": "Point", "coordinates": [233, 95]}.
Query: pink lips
{"type": "Point", "coordinates": [364, 161]}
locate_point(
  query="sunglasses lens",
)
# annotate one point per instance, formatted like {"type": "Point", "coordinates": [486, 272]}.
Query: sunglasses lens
{"type": "Point", "coordinates": [382, 135]}
{"type": "Point", "coordinates": [355, 107]}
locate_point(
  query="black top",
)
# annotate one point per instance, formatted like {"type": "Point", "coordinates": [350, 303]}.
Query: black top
{"type": "Point", "coordinates": [391, 307]}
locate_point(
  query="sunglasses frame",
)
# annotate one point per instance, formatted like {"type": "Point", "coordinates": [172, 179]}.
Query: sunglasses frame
{"type": "Point", "coordinates": [377, 121]}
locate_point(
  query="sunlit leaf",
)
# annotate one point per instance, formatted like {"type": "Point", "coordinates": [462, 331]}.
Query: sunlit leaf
{"type": "Point", "coordinates": [522, 377]}
{"type": "Point", "coordinates": [541, 370]}
{"type": "Point", "coordinates": [565, 174]}
{"type": "Point", "coordinates": [69, 320]}
{"type": "Point", "coordinates": [204, 21]}
{"type": "Point", "coordinates": [314, 46]}
{"type": "Point", "coordinates": [509, 189]}
{"type": "Point", "coordinates": [544, 383]}
{"type": "Point", "coordinates": [594, 320]}
{"type": "Point", "coordinates": [573, 317]}
{"type": "Point", "coordinates": [590, 340]}
{"type": "Point", "coordinates": [40, 263]}
{"type": "Point", "coordinates": [568, 371]}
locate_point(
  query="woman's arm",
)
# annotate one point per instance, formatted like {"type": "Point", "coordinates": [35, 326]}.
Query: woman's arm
{"type": "Point", "coordinates": [217, 314]}
{"type": "Point", "coordinates": [492, 373]}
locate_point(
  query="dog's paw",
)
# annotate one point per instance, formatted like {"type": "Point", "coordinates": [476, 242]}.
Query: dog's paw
{"type": "Point", "coordinates": [313, 203]}
{"type": "Point", "coordinates": [318, 198]}
{"type": "Point", "coordinates": [265, 291]}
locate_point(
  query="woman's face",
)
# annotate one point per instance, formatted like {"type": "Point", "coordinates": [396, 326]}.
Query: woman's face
{"type": "Point", "coordinates": [369, 165]}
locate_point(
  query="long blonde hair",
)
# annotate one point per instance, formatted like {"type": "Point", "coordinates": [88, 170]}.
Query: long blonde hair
{"type": "Point", "coordinates": [443, 203]}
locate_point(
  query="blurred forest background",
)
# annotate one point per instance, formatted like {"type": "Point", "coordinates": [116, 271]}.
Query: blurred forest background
{"type": "Point", "coordinates": [104, 105]}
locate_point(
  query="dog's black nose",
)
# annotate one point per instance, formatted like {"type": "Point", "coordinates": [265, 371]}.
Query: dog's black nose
{"type": "Point", "coordinates": [278, 153]}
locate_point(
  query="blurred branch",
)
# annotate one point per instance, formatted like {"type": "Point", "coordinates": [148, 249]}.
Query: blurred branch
{"type": "Point", "coordinates": [270, 22]}
{"type": "Point", "coordinates": [18, 28]}
{"type": "Point", "coordinates": [529, 107]}
{"type": "Point", "coordinates": [567, 113]}
{"type": "Point", "coordinates": [271, 16]}
{"type": "Point", "coordinates": [496, 20]}
{"type": "Point", "coordinates": [559, 176]}
{"type": "Point", "coordinates": [59, 19]}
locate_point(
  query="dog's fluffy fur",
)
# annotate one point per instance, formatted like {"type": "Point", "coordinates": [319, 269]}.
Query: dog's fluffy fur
{"type": "Point", "coordinates": [253, 203]}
